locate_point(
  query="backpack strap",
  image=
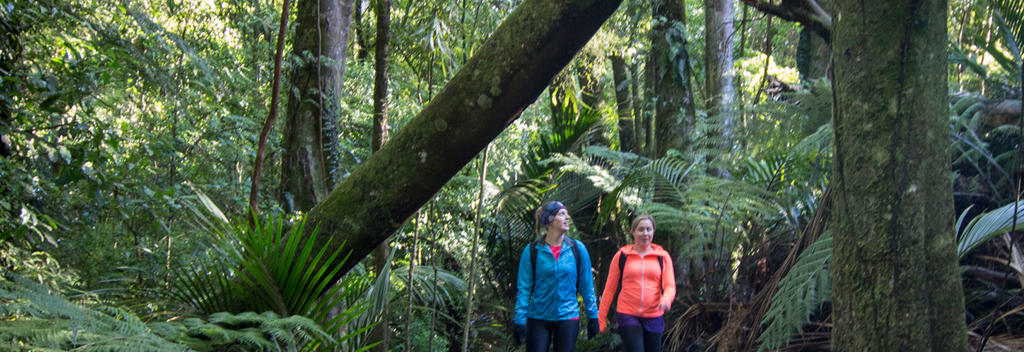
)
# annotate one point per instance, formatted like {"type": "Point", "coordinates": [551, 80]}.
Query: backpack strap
{"type": "Point", "coordinates": [622, 273]}
{"type": "Point", "coordinates": [533, 263]}
{"type": "Point", "coordinates": [661, 271]}
{"type": "Point", "coordinates": [579, 265]}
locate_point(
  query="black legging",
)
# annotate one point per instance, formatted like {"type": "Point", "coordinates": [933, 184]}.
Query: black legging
{"type": "Point", "coordinates": [540, 334]}
{"type": "Point", "coordinates": [636, 339]}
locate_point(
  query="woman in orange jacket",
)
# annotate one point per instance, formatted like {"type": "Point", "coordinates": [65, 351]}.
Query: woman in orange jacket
{"type": "Point", "coordinates": [644, 270]}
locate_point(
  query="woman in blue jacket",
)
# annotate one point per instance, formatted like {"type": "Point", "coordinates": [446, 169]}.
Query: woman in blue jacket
{"type": "Point", "coordinates": [552, 271]}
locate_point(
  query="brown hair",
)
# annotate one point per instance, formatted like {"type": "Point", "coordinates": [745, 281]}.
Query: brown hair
{"type": "Point", "coordinates": [636, 221]}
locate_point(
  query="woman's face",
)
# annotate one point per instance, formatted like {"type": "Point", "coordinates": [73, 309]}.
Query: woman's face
{"type": "Point", "coordinates": [643, 232]}
{"type": "Point", "coordinates": [561, 221]}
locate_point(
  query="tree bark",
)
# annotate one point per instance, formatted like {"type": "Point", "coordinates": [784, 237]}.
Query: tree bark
{"type": "Point", "coordinates": [720, 90]}
{"type": "Point", "coordinates": [897, 287]}
{"type": "Point", "coordinates": [357, 26]}
{"type": "Point", "coordinates": [507, 74]}
{"type": "Point", "coordinates": [624, 105]}
{"type": "Point", "coordinates": [381, 332]}
{"type": "Point", "coordinates": [380, 75]}
{"type": "Point", "coordinates": [310, 143]}
{"type": "Point", "coordinates": [669, 76]}
{"type": "Point", "coordinates": [808, 13]}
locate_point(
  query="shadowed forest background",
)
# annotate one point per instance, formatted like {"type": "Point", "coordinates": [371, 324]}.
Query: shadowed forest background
{"type": "Point", "coordinates": [264, 175]}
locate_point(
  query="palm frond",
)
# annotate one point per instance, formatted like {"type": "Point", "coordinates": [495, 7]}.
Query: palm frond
{"type": "Point", "coordinates": [987, 225]}
{"type": "Point", "coordinates": [958, 56]}
{"type": "Point", "coordinates": [1011, 16]}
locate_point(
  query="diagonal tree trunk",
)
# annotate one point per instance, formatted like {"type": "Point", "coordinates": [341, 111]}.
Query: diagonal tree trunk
{"type": "Point", "coordinates": [310, 156]}
{"type": "Point", "coordinates": [507, 74]}
{"type": "Point", "coordinates": [897, 287]}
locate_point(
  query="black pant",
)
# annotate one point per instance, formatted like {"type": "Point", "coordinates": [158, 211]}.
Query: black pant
{"type": "Point", "coordinates": [540, 334]}
{"type": "Point", "coordinates": [636, 339]}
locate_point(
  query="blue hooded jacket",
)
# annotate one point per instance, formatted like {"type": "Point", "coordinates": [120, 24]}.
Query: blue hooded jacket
{"type": "Point", "coordinates": [554, 295]}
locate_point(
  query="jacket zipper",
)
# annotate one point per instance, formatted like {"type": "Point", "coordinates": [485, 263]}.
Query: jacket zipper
{"type": "Point", "coordinates": [643, 268]}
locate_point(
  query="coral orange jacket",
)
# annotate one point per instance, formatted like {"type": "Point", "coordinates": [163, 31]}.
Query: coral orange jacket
{"type": "Point", "coordinates": [645, 284]}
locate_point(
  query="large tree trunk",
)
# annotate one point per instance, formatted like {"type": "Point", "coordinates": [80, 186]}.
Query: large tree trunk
{"type": "Point", "coordinates": [720, 90]}
{"type": "Point", "coordinates": [507, 74]}
{"type": "Point", "coordinates": [669, 78]}
{"type": "Point", "coordinates": [310, 137]}
{"type": "Point", "coordinates": [897, 287]}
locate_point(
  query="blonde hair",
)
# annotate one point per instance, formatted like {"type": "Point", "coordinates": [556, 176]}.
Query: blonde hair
{"type": "Point", "coordinates": [636, 221]}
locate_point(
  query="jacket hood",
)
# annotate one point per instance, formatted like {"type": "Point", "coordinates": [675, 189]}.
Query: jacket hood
{"type": "Point", "coordinates": [655, 249]}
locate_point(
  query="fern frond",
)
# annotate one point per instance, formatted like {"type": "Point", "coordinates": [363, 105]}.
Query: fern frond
{"type": "Point", "coordinates": [801, 292]}
{"type": "Point", "coordinates": [73, 325]}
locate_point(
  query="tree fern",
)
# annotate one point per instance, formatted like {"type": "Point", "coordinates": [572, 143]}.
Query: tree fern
{"type": "Point", "coordinates": [426, 290]}
{"type": "Point", "coordinates": [803, 290]}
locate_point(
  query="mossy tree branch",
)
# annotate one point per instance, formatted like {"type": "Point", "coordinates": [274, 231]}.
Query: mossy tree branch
{"type": "Point", "coordinates": [508, 73]}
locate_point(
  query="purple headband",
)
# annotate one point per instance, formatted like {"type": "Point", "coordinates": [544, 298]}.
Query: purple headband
{"type": "Point", "coordinates": [548, 215]}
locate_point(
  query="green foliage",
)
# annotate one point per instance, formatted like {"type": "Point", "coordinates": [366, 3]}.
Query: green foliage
{"type": "Point", "coordinates": [1012, 18]}
{"type": "Point", "coordinates": [447, 289]}
{"type": "Point", "coordinates": [252, 331]}
{"type": "Point", "coordinates": [47, 320]}
{"type": "Point", "coordinates": [76, 174]}
{"type": "Point", "coordinates": [801, 292]}
{"type": "Point", "coordinates": [999, 40]}
{"type": "Point", "coordinates": [982, 158]}
{"type": "Point", "coordinates": [39, 266]}
{"type": "Point", "coordinates": [781, 125]}
{"type": "Point", "coordinates": [986, 225]}
{"type": "Point", "coordinates": [271, 267]}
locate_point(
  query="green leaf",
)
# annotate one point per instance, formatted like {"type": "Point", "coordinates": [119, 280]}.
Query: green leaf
{"type": "Point", "coordinates": [987, 225]}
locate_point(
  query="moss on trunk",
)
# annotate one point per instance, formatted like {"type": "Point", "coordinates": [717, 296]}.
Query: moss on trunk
{"type": "Point", "coordinates": [309, 157]}
{"type": "Point", "coordinates": [896, 283]}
